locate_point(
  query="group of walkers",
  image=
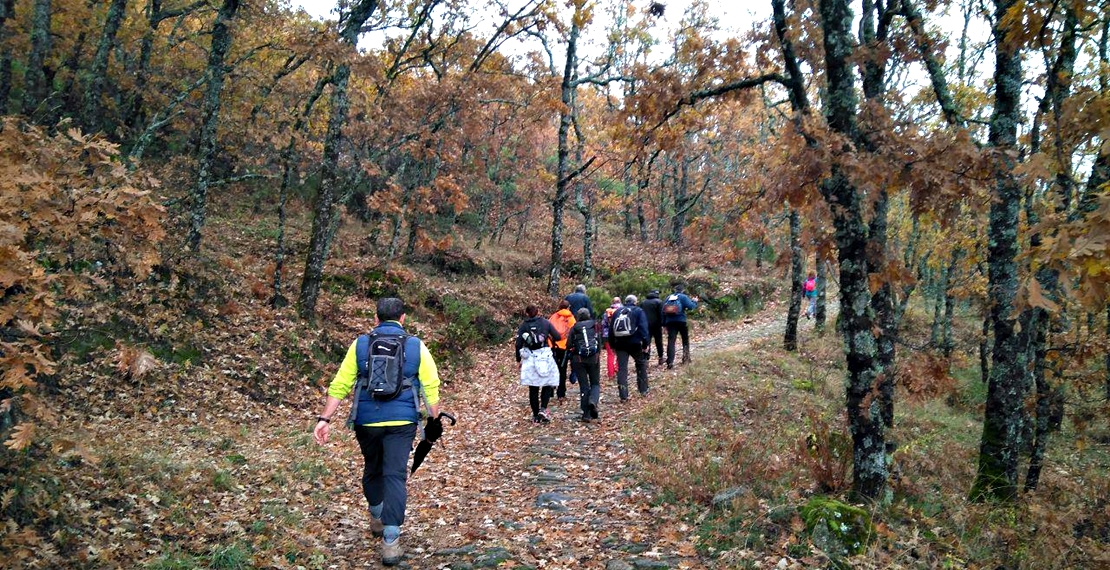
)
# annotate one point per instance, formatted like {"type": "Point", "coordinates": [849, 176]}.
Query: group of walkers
{"type": "Point", "coordinates": [575, 335]}
{"type": "Point", "coordinates": [392, 375]}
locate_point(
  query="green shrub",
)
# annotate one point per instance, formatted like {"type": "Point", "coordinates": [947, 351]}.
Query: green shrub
{"type": "Point", "coordinates": [600, 298]}
{"type": "Point", "coordinates": [638, 282]}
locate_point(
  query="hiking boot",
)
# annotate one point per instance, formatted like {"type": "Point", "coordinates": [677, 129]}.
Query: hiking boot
{"type": "Point", "coordinates": [686, 359]}
{"type": "Point", "coordinates": [585, 418]}
{"type": "Point", "coordinates": [377, 527]}
{"type": "Point", "coordinates": [544, 417]}
{"type": "Point", "coordinates": [593, 412]}
{"type": "Point", "coordinates": [392, 553]}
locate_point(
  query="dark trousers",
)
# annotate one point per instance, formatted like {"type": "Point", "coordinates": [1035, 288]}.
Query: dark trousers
{"type": "Point", "coordinates": [589, 383]}
{"type": "Point", "coordinates": [622, 370]}
{"type": "Point", "coordinates": [536, 394]}
{"type": "Point", "coordinates": [657, 334]}
{"type": "Point", "coordinates": [385, 451]}
{"type": "Point", "coordinates": [673, 330]}
{"type": "Point", "coordinates": [561, 360]}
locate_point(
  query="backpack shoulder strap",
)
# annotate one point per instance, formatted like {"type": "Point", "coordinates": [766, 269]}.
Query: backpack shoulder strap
{"type": "Point", "coordinates": [362, 352]}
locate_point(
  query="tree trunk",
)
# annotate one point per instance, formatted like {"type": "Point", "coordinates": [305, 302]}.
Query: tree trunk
{"type": "Point", "coordinates": [325, 213]}
{"type": "Point", "coordinates": [940, 287]}
{"type": "Point", "coordinates": [563, 170]}
{"type": "Point", "coordinates": [882, 303]}
{"type": "Point", "coordinates": [1057, 89]}
{"type": "Point", "coordinates": [35, 85]}
{"type": "Point", "coordinates": [134, 116]}
{"type": "Point", "coordinates": [210, 122]}
{"type": "Point", "coordinates": [680, 191]}
{"type": "Point", "coordinates": [278, 299]}
{"type": "Point", "coordinates": [98, 71]}
{"type": "Point", "coordinates": [7, 12]}
{"type": "Point", "coordinates": [984, 347]}
{"type": "Point", "coordinates": [790, 338]}
{"type": "Point", "coordinates": [627, 200]}
{"type": "Point", "coordinates": [821, 313]}
{"type": "Point", "coordinates": [72, 65]}
{"type": "Point", "coordinates": [869, 465]}
{"type": "Point", "coordinates": [1001, 445]}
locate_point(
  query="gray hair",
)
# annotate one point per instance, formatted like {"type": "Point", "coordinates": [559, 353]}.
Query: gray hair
{"type": "Point", "coordinates": [580, 288]}
{"type": "Point", "coordinates": [583, 314]}
{"type": "Point", "coordinates": [630, 300]}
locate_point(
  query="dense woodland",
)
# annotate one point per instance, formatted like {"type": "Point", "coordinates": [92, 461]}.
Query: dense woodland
{"type": "Point", "coordinates": [170, 167]}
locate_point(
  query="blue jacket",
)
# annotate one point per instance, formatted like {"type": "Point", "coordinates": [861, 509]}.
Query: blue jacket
{"type": "Point", "coordinates": [579, 300]}
{"type": "Point", "coordinates": [684, 304]}
{"type": "Point", "coordinates": [641, 336]}
{"type": "Point", "coordinates": [403, 407]}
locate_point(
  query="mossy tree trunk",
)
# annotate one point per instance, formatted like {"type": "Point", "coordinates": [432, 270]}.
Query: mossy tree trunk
{"type": "Point", "coordinates": [325, 213]}
{"type": "Point", "coordinates": [562, 171]}
{"type": "Point", "coordinates": [35, 83]}
{"type": "Point", "coordinates": [7, 12]}
{"type": "Point", "coordinates": [98, 71]}
{"type": "Point", "coordinates": [1008, 383]}
{"type": "Point", "coordinates": [210, 121]}
{"type": "Point", "coordinates": [790, 337]}
{"type": "Point", "coordinates": [869, 465]}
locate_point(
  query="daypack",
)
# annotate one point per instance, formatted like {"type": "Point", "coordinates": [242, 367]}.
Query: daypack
{"type": "Point", "coordinates": [562, 326]}
{"type": "Point", "coordinates": [533, 337]}
{"type": "Point", "coordinates": [811, 284]}
{"type": "Point", "coordinates": [672, 306]}
{"type": "Point", "coordinates": [623, 325]}
{"type": "Point", "coordinates": [586, 341]}
{"type": "Point", "coordinates": [381, 362]}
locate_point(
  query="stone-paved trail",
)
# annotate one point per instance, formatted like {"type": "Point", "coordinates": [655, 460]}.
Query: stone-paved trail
{"type": "Point", "coordinates": [500, 491]}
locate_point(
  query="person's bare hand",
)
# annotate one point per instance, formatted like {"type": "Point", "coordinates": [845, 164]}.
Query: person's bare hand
{"type": "Point", "coordinates": [320, 434]}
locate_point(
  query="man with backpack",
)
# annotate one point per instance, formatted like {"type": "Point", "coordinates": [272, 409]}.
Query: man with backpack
{"type": "Point", "coordinates": [653, 308]}
{"type": "Point", "coordinates": [579, 299]}
{"type": "Point", "coordinates": [674, 318]}
{"type": "Point", "coordinates": [585, 361]}
{"type": "Point", "coordinates": [389, 372]}
{"type": "Point", "coordinates": [628, 334]}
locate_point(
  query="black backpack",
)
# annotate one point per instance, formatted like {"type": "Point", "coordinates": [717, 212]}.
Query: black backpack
{"type": "Point", "coordinates": [585, 339]}
{"type": "Point", "coordinates": [381, 364]}
{"type": "Point", "coordinates": [533, 337]}
{"type": "Point", "coordinates": [623, 325]}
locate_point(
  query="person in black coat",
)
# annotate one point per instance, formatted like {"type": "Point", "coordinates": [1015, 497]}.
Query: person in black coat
{"type": "Point", "coordinates": [632, 345]}
{"type": "Point", "coordinates": [584, 346]}
{"type": "Point", "coordinates": [653, 308]}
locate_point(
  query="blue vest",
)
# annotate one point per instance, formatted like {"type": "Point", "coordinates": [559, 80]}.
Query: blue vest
{"type": "Point", "coordinates": [402, 408]}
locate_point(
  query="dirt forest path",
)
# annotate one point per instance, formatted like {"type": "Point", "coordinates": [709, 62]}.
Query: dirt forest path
{"type": "Point", "coordinates": [500, 490]}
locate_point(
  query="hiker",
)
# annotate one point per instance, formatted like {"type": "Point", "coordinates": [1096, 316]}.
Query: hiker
{"type": "Point", "coordinates": [653, 308]}
{"type": "Point", "coordinates": [579, 299]}
{"type": "Point", "coordinates": [585, 360]}
{"type": "Point", "coordinates": [610, 353]}
{"type": "Point", "coordinates": [384, 427]}
{"type": "Point", "coordinates": [674, 318]}
{"type": "Point", "coordinates": [562, 320]}
{"type": "Point", "coordinates": [628, 334]}
{"type": "Point", "coordinates": [537, 365]}
{"type": "Point", "coordinates": [809, 291]}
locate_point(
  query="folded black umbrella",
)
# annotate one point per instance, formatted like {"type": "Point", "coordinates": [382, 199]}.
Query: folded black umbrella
{"type": "Point", "coordinates": [432, 430]}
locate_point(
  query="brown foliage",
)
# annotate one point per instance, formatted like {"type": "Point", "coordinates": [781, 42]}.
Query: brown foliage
{"type": "Point", "coordinates": [72, 222]}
